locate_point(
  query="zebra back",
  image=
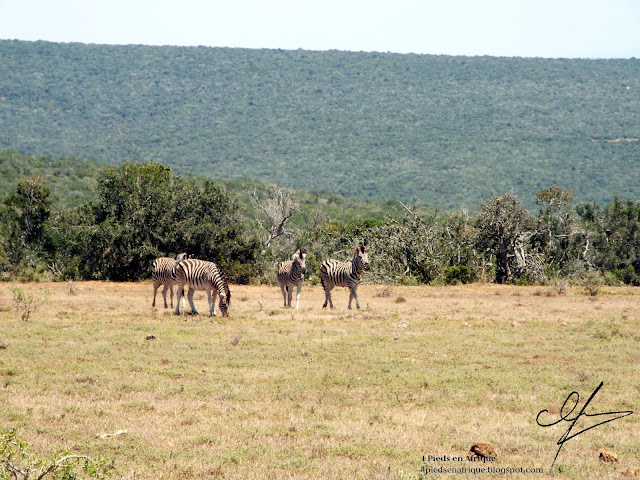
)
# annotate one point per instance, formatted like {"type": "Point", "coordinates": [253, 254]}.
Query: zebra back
{"type": "Point", "coordinates": [162, 271]}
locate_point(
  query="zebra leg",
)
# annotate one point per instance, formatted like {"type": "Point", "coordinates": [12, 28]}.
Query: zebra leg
{"type": "Point", "coordinates": [327, 296]}
{"type": "Point", "coordinates": [209, 299]}
{"type": "Point", "coordinates": [298, 294]}
{"type": "Point", "coordinates": [184, 302]}
{"type": "Point", "coordinates": [284, 293]}
{"type": "Point", "coordinates": [179, 295]}
{"type": "Point", "coordinates": [289, 295]}
{"type": "Point", "coordinates": [212, 294]}
{"type": "Point", "coordinates": [353, 294]}
{"type": "Point", "coordinates": [164, 295]}
{"type": "Point", "coordinates": [155, 292]}
{"type": "Point", "coordinates": [171, 295]}
{"type": "Point", "coordinates": [190, 296]}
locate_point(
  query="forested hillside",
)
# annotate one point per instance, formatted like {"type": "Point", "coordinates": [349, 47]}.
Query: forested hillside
{"type": "Point", "coordinates": [441, 130]}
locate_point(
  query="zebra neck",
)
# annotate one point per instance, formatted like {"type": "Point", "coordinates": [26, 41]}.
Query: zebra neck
{"type": "Point", "coordinates": [220, 284]}
{"type": "Point", "coordinates": [296, 274]}
{"type": "Point", "coordinates": [356, 268]}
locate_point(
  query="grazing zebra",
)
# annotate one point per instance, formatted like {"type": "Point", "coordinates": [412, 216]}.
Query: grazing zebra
{"type": "Point", "coordinates": [201, 275]}
{"type": "Point", "coordinates": [344, 274]}
{"type": "Point", "coordinates": [163, 273]}
{"type": "Point", "coordinates": [290, 274]}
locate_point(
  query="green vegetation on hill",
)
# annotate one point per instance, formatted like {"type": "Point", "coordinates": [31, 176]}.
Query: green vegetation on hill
{"type": "Point", "coordinates": [440, 130]}
{"type": "Point", "coordinates": [73, 182]}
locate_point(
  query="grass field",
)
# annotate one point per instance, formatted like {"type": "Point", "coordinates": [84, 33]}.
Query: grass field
{"type": "Point", "coordinates": [274, 393]}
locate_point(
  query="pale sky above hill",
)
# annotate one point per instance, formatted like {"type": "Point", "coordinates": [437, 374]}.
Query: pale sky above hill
{"type": "Point", "coordinates": [523, 28]}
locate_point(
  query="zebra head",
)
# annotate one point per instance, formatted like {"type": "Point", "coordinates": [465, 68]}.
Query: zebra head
{"type": "Point", "coordinates": [225, 302]}
{"type": "Point", "coordinates": [298, 260]}
{"type": "Point", "coordinates": [181, 256]}
{"type": "Point", "coordinates": [361, 258]}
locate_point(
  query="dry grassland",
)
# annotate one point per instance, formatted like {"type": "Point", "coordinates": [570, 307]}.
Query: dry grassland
{"type": "Point", "coordinates": [274, 393]}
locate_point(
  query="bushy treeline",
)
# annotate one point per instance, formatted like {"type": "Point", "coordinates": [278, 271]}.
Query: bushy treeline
{"type": "Point", "coordinates": [144, 211]}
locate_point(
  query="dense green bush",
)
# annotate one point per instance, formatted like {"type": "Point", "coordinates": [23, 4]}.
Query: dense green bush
{"type": "Point", "coordinates": [144, 212]}
{"type": "Point", "coordinates": [458, 274]}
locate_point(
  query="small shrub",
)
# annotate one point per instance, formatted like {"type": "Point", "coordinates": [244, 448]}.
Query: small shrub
{"type": "Point", "coordinates": [458, 274]}
{"type": "Point", "coordinates": [17, 463]}
{"type": "Point", "coordinates": [592, 282]}
{"type": "Point", "coordinates": [385, 292]}
{"type": "Point", "coordinates": [72, 288]}
{"type": "Point", "coordinates": [611, 279]}
{"type": "Point", "coordinates": [523, 281]}
{"type": "Point", "coordinates": [562, 286]}
{"type": "Point", "coordinates": [26, 304]}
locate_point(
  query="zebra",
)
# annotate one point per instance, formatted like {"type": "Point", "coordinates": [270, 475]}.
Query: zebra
{"type": "Point", "coordinates": [344, 274]}
{"type": "Point", "coordinates": [290, 274]}
{"type": "Point", "coordinates": [201, 275]}
{"type": "Point", "coordinates": [163, 273]}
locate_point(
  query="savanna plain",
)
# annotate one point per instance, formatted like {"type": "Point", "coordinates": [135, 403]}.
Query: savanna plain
{"type": "Point", "coordinates": [277, 393]}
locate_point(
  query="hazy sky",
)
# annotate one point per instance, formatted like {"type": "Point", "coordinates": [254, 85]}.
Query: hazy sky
{"type": "Point", "coordinates": [526, 28]}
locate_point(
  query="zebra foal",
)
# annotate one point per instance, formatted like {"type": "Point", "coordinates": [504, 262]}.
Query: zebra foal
{"type": "Point", "coordinates": [290, 274]}
{"type": "Point", "coordinates": [162, 273]}
{"type": "Point", "coordinates": [344, 274]}
{"type": "Point", "coordinates": [201, 275]}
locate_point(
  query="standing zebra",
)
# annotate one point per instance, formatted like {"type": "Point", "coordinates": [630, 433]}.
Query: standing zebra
{"type": "Point", "coordinates": [201, 275]}
{"type": "Point", "coordinates": [290, 274]}
{"type": "Point", "coordinates": [163, 273]}
{"type": "Point", "coordinates": [344, 274]}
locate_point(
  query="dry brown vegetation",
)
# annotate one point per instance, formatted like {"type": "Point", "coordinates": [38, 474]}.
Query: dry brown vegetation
{"type": "Point", "coordinates": [271, 392]}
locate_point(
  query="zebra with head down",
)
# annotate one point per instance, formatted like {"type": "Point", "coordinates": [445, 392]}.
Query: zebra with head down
{"type": "Point", "coordinates": [202, 275]}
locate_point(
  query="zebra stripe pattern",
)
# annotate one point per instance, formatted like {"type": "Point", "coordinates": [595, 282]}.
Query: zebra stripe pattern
{"type": "Point", "coordinates": [163, 273]}
{"type": "Point", "coordinates": [344, 274]}
{"type": "Point", "coordinates": [201, 275]}
{"type": "Point", "coordinates": [291, 274]}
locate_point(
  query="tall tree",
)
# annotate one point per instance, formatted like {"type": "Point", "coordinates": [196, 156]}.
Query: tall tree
{"type": "Point", "coordinates": [562, 239]}
{"type": "Point", "coordinates": [24, 215]}
{"type": "Point", "coordinates": [277, 208]}
{"type": "Point", "coordinates": [504, 227]}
